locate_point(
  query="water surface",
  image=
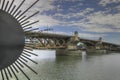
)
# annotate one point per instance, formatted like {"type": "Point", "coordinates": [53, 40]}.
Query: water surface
{"type": "Point", "coordinates": [90, 67]}
{"type": "Point", "coordinates": [94, 67]}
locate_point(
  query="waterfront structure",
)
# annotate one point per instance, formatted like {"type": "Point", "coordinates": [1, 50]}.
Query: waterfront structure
{"type": "Point", "coordinates": [57, 41]}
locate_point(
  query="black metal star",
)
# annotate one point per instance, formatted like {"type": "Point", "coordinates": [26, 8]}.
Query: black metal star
{"type": "Point", "coordinates": [13, 52]}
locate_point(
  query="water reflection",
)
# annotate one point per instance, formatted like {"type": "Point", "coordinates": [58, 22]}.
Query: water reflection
{"type": "Point", "coordinates": [84, 56]}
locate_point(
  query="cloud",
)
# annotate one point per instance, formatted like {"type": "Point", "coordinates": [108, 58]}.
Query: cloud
{"type": "Point", "coordinates": [42, 5]}
{"type": "Point", "coordinates": [91, 21]}
{"type": "Point", "coordinates": [106, 2]}
{"type": "Point", "coordinates": [45, 20]}
{"type": "Point", "coordinates": [92, 27]}
{"type": "Point", "coordinates": [107, 22]}
{"type": "Point", "coordinates": [118, 7]}
{"type": "Point", "coordinates": [88, 35]}
{"type": "Point", "coordinates": [74, 15]}
{"type": "Point", "coordinates": [99, 22]}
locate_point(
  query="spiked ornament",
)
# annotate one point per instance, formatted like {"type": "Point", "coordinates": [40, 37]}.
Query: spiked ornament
{"type": "Point", "coordinates": [13, 52]}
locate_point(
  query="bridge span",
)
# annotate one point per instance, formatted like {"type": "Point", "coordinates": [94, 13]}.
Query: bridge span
{"type": "Point", "coordinates": [57, 41]}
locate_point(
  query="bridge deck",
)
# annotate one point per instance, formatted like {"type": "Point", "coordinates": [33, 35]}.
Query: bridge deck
{"type": "Point", "coordinates": [60, 36]}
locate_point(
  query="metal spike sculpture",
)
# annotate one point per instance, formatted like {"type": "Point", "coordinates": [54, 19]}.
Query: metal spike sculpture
{"type": "Point", "coordinates": [13, 52]}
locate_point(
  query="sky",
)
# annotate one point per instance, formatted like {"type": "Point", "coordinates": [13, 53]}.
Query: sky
{"type": "Point", "coordinates": [91, 18]}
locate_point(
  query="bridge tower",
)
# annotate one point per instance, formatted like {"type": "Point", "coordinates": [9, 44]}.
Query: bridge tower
{"type": "Point", "coordinates": [72, 43]}
{"type": "Point", "coordinates": [76, 36]}
{"type": "Point", "coordinates": [100, 40]}
{"type": "Point", "coordinates": [99, 43]}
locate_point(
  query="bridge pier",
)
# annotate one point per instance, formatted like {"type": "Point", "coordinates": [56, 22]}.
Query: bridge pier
{"type": "Point", "coordinates": [96, 51]}
{"type": "Point", "coordinates": [66, 52]}
{"type": "Point", "coordinates": [71, 49]}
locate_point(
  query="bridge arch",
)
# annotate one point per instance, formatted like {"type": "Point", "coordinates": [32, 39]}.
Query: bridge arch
{"type": "Point", "coordinates": [62, 42]}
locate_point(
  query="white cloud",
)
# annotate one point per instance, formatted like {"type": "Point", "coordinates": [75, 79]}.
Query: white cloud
{"type": "Point", "coordinates": [42, 5]}
{"type": "Point", "coordinates": [103, 19]}
{"type": "Point", "coordinates": [45, 20]}
{"type": "Point", "coordinates": [74, 15]}
{"type": "Point", "coordinates": [59, 32]}
{"type": "Point", "coordinates": [88, 35]}
{"type": "Point", "coordinates": [118, 7]}
{"type": "Point", "coordinates": [105, 2]}
{"type": "Point", "coordinates": [96, 22]}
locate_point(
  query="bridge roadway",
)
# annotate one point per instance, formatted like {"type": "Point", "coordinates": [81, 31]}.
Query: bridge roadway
{"type": "Point", "coordinates": [61, 40]}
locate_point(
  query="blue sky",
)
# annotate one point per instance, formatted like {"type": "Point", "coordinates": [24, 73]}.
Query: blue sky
{"type": "Point", "coordinates": [91, 18]}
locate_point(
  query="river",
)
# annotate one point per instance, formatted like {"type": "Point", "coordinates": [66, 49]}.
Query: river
{"type": "Point", "coordinates": [90, 67]}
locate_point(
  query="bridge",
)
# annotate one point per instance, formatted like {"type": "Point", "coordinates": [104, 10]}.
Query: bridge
{"type": "Point", "coordinates": [41, 40]}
